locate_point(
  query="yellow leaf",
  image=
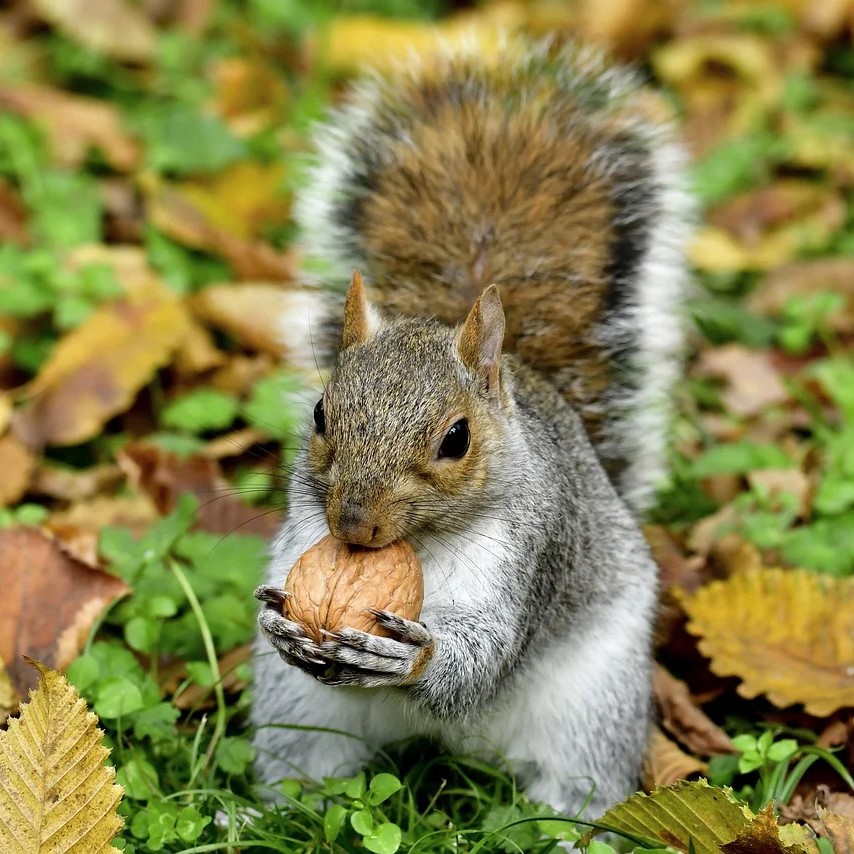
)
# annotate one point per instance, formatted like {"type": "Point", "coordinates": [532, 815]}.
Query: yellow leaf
{"type": "Point", "coordinates": [761, 837]}
{"type": "Point", "coordinates": [788, 634]}
{"type": "Point", "coordinates": [355, 41]}
{"type": "Point", "coordinates": [700, 817]}
{"type": "Point", "coordinates": [695, 811]}
{"type": "Point", "coordinates": [97, 369]}
{"type": "Point", "coordinates": [56, 794]}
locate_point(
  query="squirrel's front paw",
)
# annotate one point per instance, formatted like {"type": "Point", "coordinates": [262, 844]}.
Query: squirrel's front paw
{"type": "Point", "coordinates": [287, 637]}
{"type": "Point", "coordinates": [374, 662]}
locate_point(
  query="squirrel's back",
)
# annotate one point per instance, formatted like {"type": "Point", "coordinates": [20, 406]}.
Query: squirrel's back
{"type": "Point", "coordinates": [546, 172]}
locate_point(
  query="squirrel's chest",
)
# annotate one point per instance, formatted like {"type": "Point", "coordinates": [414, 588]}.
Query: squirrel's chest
{"type": "Point", "coordinates": [465, 567]}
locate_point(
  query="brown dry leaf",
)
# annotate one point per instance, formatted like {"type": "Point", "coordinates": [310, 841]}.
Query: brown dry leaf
{"type": "Point", "coordinates": [74, 124]}
{"type": "Point", "coordinates": [684, 719]}
{"type": "Point", "coordinates": [69, 484]}
{"type": "Point", "coordinates": [706, 533]}
{"type": "Point", "coordinates": [752, 382]}
{"type": "Point", "coordinates": [804, 807]}
{"type": "Point", "coordinates": [16, 464]}
{"type": "Point", "coordinates": [135, 512]}
{"type": "Point", "coordinates": [761, 837]}
{"type": "Point", "coordinates": [117, 28]}
{"type": "Point", "coordinates": [666, 763]}
{"type": "Point", "coordinates": [784, 481]}
{"type": "Point", "coordinates": [13, 216]}
{"type": "Point", "coordinates": [768, 227]}
{"type": "Point", "coordinates": [39, 578]}
{"type": "Point", "coordinates": [788, 634]}
{"type": "Point", "coordinates": [249, 311]}
{"type": "Point", "coordinates": [839, 829]}
{"type": "Point", "coordinates": [96, 370]}
{"type": "Point", "coordinates": [166, 477]}
{"type": "Point", "coordinates": [804, 279]}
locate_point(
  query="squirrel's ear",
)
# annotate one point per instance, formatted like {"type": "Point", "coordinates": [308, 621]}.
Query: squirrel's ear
{"type": "Point", "coordinates": [481, 337]}
{"type": "Point", "coordinates": [361, 321]}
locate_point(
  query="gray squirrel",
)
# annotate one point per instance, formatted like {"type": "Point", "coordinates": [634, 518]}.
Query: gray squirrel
{"type": "Point", "coordinates": [497, 397]}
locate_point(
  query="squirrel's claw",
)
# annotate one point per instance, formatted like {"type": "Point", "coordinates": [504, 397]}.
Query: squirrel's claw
{"type": "Point", "coordinates": [407, 630]}
{"type": "Point", "coordinates": [288, 638]}
{"type": "Point", "coordinates": [371, 661]}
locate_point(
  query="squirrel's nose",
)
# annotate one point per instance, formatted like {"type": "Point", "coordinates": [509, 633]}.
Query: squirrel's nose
{"type": "Point", "coordinates": [356, 524]}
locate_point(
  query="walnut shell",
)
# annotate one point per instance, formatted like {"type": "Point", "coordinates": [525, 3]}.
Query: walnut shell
{"type": "Point", "coordinates": [333, 584]}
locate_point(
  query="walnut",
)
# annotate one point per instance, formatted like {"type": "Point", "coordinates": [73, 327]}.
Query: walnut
{"type": "Point", "coordinates": [333, 584]}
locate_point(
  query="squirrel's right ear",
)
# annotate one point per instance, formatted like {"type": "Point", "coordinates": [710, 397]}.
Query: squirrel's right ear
{"type": "Point", "coordinates": [361, 321]}
{"type": "Point", "coordinates": [481, 337]}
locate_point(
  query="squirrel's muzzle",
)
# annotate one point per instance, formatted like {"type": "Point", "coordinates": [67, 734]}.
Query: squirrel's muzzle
{"type": "Point", "coordinates": [358, 524]}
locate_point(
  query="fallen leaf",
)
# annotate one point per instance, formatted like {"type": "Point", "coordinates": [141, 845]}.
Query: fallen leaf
{"type": "Point", "coordinates": [135, 512]}
{"type": "Point", "coordinates": [763, 229]}
{"type": "Point", "coordinates": [166, 477]}
{"type": "Point", "coordinates": [57, 790]}
{"type": "Point", "coordinates": [17, 464]}
{"type": "Point", "coordinates": [626, 27]}
{"type": "Point", "coordinates": [233, 444]}
{"type": "Point", "coordinates": [684, 719]}
{"type": "Point", "coordinates": [13, 216]}
{"type": "Point", "coordinates": [788, 634]}
{"type": "Point", "coordinates": [39, 578]}
{"type": "Point", "coordinates": [761, 837]}
{"type": "Point", "coordinates": [68, 484]}
{"type": "Point", "coordinates": [117, 28]}
{"type": "Point", "coordinates": [74, 124]}
{"type": "Point", "coordinates": [250, 95]}
{"type": "Point", "coordinates": [197, 352]}
{"type": "Point", "coordinates": [354, 42]}
{"type": "Point", "coordinates": [784, 482]}
{"type": "Point", "coordinates": [839, 829]}
{"type": "Point", "coordinates": [181, 218]}
{"type": "Point", "coordinates": [753, 384]}
{"type": "Point", "coordinates": [8, 696]}
{"type": "Point", "coordinates": [689, 812]}
{"type": "Point", "coordinates": [708, 530]}
{"type": "Point", "coordinates": [803, 807]}
{"type": "Point", "coordinates": [97, 369]}
{"type": "Point", "coordinates": [250, 311]}
{"type": "Point", "coordinates": [666, 763]}
{"type": "Point", "coordinates": [804, 279]}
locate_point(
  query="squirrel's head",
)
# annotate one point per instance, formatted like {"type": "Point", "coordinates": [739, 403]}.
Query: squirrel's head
{"type": "Point", "coordinates": [407, 433]}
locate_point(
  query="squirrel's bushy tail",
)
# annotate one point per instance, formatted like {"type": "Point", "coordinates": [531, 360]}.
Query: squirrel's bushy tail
{"type": "Point", "coordinates": [547, 172]}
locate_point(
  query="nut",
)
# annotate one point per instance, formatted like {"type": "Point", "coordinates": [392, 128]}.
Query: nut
{"type": "Point", "coordinates": [333, 585]}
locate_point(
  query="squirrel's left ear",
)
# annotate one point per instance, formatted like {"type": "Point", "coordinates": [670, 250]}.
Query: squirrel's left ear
{"type": "Point", "coordinates": [361, 320]}
{"type": "Point", "coordinates": [481, 337]}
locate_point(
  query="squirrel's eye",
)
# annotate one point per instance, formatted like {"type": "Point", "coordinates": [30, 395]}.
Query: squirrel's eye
{"type": "Point", "coordinates": [319, 417]}
{"type": "Point", "coordinates": [456, 441]}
